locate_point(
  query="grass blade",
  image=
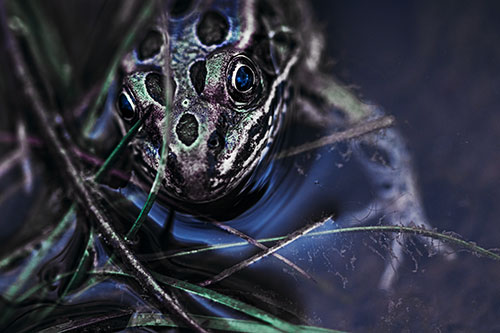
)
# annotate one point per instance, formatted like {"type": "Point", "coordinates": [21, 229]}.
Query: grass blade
{"type": "Point", "coordinates": [261, 246]}
{"type": "Point", "coordinates": [230, 302]}
{"type": "Point", "coordinates": [144, 15]}
{"type": "Point", "coordinates": [245, 263]}
{"type": "Point", "coordinates": [46, 245]}
{"type": "Point", "coordinates": [223, 324]}
{"type": "Point", "coordinates": [350, 133]}
{"type": "Point", "coordinates": [380, 228]}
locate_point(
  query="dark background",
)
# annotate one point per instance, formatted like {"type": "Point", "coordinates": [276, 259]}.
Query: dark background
{"type": "Point", "coordinates": [435, 66]}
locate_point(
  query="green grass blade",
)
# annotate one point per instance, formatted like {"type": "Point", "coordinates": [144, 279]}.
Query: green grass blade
{"type": "Point", "coordinates": [139, 320]}
{"type": "Point", "coordinates": [80, 269]}
{"type": "Point", "coordinates": [24, 276]}
{"type": "Point", "coordinates": [106, 166]}
{"type": "Point", "coordinates": [188, 287]}
{"type": "Point", "coordinates": [216, 297]}
{"type": "Point", "coordinates": [160, 174]}
{"type": "Point", "coordinates": [165, 131]}
{"type": "Point", "coordinates": [229, 302]}
{"type": "Point", "coordinates": [111, 159]}
{"type": "Point", "coordinates": [146, 319]}
{"type": "Point", "coordinates": [145, 14]}
{"type": "Point", "coordinates": [11, 293]}
{"type": "Point", "coordinates": [43, 41]}
{"type": "Point", "coordinates": [393, 229]}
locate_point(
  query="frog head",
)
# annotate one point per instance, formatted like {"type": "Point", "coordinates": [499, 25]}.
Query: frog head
{"type": "Point", "coordinates": [226, 71]}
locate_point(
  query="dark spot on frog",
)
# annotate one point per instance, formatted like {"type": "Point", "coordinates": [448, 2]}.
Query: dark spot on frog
{"type": "Point", "coordinates": [198, 74]}
{"type": "Point", "coordinates": [256, 129]}
{"type": "Point", "coordinates": [212, 28]}
{"type": "Point", "coordinates": [216, 143]}
{"type": "Point", "coordinates": [154, 86]}
{"type": "Point", "coordinates": [150, 45]}
{"type": "Point", "coordinates": [187, 129]}
{"type": "Point", "coordinates": [173, 168]}
{"type": "Point", "coordinates": [180, 7]}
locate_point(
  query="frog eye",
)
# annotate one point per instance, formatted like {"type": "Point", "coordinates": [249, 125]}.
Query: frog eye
{"type": "Point", "coordinates": [243, 80]}
{"type": "Point", "coordinates": [126, 106]}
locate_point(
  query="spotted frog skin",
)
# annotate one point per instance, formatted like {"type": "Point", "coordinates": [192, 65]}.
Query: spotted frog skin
{"type": "Point", "coordinates": [232, 70]}
{"type": "Point", "coordinates": [229, 75]}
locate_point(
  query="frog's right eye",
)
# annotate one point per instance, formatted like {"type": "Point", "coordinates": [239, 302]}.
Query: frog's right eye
{"type": "Point", "coordinates": [126, 106]}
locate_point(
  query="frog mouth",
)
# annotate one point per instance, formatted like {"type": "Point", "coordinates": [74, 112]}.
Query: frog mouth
{"type": "Point", "coordinates": [191, 179]}
{"type": "Point", "coordinates": [193, 182]}
{"type": "Point", "coordinates": [197, 193]}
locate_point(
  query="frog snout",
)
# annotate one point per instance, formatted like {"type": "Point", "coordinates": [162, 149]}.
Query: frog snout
{"type": "Point", "coordinates": [195, 150]}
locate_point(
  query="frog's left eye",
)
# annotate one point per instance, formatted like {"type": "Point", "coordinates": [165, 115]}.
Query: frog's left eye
{"type": "Point", "coordinates": [243, 80]}
{"type": "Point", "coordinates": [126, 106]}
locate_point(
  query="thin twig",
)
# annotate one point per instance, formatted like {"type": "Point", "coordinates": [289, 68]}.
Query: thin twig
{"type": "Point", "coordinates": [245, 263]}
{"type": "Point", "coordinates": [7, 137]}
{"type": "Point", "coordinates": [11, 190]}
{"type": "Point", "coordinates": [254, 242]}
{"type": "Point", "coordinates": [25, 163]}
{"type": "Point", "coordinates": [104, 165]}
{"type": "Point", "coordinates": [355, 131]}
{"type": "Point", "coordinates": [82, 192]}
{"type": "Point", "coordinates": [10, 161]}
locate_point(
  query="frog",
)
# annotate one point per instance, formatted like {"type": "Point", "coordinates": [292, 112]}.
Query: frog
{"type": "Point", "coordinates": [223, 79]}
{"type": "Point", "coordinates": [218, 83]}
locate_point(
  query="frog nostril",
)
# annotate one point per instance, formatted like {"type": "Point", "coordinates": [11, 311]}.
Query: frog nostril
{"type": "Point", "coordinates": [187, 129]}
{"type": "Point", "coordinates": [215, 142]}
